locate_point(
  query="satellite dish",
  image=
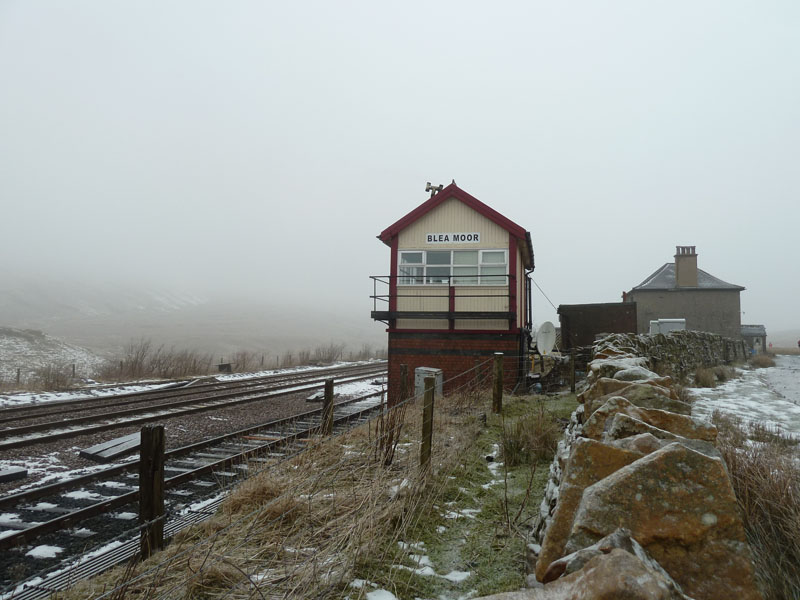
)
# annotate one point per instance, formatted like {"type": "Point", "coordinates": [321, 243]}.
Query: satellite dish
{"type": "Point", "coordinates": [545, 338]}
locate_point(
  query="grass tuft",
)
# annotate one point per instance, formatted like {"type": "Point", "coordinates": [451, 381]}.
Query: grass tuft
{"type": "Point", "coordinates": [765, 472]}
{"type": "Point", "coordinates": [704, 377]}
{"type": "Point", "coordinates": [709, 377]}
{"type": "Point", "coordinates": [762, 361]}
{"type": "Point", "coordinates": [530, 438]}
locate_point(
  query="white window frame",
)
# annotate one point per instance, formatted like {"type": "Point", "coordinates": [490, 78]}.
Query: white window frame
{"type": "Point", "coordinates": [422, 277]}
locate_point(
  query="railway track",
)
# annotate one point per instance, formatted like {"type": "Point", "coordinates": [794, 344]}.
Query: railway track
{"type": "Point", "coordinates": [100, 506]}
{"type": "Point", "coordinates": [169, 390]}
{"type": "Point", "coordinates": [90, 415]}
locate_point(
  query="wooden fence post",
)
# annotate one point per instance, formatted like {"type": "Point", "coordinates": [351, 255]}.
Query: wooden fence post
{"type": "Point", "coordinates": [18, 369]}
{"type": "Point", "coordinates": [572, 370]}
{"type": "Point", "coordinates": [403, 391]}
{"type": "Point", "coordinates": [151, 489]}
{"type": "Point", "coordinates": [497, 384]}
{"type": "Point", "coordinates": [327, 409]}
{"type": "Point", "coordinates": [427, 425]}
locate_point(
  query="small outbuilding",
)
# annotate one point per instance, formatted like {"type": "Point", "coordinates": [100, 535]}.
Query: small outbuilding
{"type": "Point", "coordinates": [458, 289]}
{"type": "Point", "coordinates": [755, 338]}
{"type": "Point", "coordinates": [582, 323]}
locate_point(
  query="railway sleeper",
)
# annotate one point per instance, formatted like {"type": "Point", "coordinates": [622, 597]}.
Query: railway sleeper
{"type": "Point", "coordinates": [204, 483]}
{"type": "Point", "coordinates": [175, 469]}
{"type": "Point", "coordinates": [48, 508]}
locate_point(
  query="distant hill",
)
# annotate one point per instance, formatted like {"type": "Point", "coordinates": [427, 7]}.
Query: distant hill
{"type": "Point", "coordinates": [105, 317]}
{"type": "Point", "coordinates": [32, 351]}
{"type": "Point", "coordinates": [783, 339]}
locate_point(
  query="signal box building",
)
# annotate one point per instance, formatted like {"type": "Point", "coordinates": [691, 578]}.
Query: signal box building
{"type": "Point", "coordinates": [458, 289]}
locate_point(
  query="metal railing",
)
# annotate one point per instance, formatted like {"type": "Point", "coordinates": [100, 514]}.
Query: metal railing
{"type": "Point", "coordinates": [460, 296]}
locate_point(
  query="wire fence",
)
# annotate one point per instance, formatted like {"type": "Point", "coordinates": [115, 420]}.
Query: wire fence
{"type": "Point", "coordinates": [302, 525]}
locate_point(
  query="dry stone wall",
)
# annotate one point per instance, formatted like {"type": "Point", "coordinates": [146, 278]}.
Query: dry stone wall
{"type": "Point", "coordinates": [678, 353]}
{"type": "Point", "coordinates": [639, 503]}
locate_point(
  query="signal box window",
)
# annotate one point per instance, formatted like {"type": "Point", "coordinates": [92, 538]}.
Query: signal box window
{"type": "Point", "coordinates": [453, 267]}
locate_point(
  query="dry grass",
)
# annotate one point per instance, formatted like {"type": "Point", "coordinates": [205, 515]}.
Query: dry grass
{"type": "Point", "coordinates": [709, 377]}
{"type": "Point", "coordinates": [787, 350]}
{"type": "Point", "coordinates": [142, 359]}
{"type": "Point", "coordinates": [683, 393]}
{"type": "Point", "coordinates": [704, 377]}
{"type": "Point", "coordinates": [766, 479]}
{"type": "Point", "coordinates": [301, 528]}
{"type": "Point", "coordinates": [762, 361]}
{"type": "Point", "coordinates": [530, 437]}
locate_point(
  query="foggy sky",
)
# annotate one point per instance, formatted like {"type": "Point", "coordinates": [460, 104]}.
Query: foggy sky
{"type": "Point", "coordinates": [256, 149]}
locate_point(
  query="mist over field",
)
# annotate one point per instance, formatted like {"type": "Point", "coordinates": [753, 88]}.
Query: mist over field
{"type": "Point", "coordinates": [215, 176]}
{"type": "Point", "coordinates": [104, 318]}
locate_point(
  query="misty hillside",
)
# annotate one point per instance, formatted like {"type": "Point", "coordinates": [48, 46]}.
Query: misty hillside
{"type": "Point", "coordinates": [784, 339]}
{"type": "Point", "coordinates": [28, 300]}
{"type": "Point", "coordinates": [31, 351]}
{"type": "Point", "coordinates": [105, 317]}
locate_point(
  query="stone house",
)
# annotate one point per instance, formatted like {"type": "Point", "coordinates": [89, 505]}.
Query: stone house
{"type": "Point", "coordinates": [680, 290]}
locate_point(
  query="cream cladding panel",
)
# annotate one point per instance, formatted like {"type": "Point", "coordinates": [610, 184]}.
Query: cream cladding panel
{"type": "Point", "coordinates": [452, 216]}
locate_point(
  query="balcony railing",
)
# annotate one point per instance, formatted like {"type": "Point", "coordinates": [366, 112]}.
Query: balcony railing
{"type": "Point", "coordinates": [443, 297]}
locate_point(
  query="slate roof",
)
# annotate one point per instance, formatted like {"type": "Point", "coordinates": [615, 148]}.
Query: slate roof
{"type": "Point", "coordinates": [664, 279]}
{"type": "Point", "coordinates": [754, 331]}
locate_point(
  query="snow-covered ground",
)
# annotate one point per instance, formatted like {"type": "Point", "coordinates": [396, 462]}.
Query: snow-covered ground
{"type": "Point", "coordinates": [85, 392]}
{"type": "Point", "coordinates": [53, 469]}
{"type": "Point", "coordinates": [29, 350]}
{"type": "Point", "coordinates": [124, 388]}
{"type": "Point", "coordinates": [771, 396]}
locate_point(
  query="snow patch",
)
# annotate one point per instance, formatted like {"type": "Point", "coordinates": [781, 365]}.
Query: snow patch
{"type": "Point", "coordinates": [44, 551]}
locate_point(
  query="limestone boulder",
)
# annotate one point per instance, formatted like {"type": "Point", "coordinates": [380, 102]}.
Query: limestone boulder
{"type": "Point", "coordinates": [622, 539]}
{"type": "Point", "coordinates": [683, 425]}
{"type": "Point", "coordinates": [622, 425]}
{"type": "Point", "coordinates": [643, 395]}
{"type": "Point", "coordinates": [589, 461]}
{"type": "Point", "coordinates": [607, 385]}
{"type": "Point", "coordinates": [645, 443]}
{"type": "Point", "coordinates": [686, 426]}
{"type": "Point", "coordinates": [607, 367]}
{"type": "Point", "coordinates": [680, 506]}
{"type": "Point", "coordinates": [635, 374]}
{"type": "Point", "coordinates": [617, 575]}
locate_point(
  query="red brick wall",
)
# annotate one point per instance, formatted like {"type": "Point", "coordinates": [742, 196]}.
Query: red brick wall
{"type": "Point", "coordinates": [454, 353]}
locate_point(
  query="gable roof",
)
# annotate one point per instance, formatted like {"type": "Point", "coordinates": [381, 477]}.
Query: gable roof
{"type": "Point", "coordinates": [453, 191]}
{"type": "Point", "coordinates": [664, 279]}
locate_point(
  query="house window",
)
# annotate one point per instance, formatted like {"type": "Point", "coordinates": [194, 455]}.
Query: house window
{"type": "Point", "coordinates": [453, 267]}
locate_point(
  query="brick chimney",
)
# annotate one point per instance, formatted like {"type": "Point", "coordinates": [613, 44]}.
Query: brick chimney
{"type": "Point", "coordinates": [685, 266]}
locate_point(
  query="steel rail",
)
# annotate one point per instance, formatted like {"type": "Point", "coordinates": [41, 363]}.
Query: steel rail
{"type": "Point", "coordinates": [69, 519]}
{"type": "Point", "coordinates": [45, 585]}
{"type": "Point", "coordinates": [23, 442]}
{"type": "Point", "coordinates": [222, 394]}
{"type": "Point", "coordinates": [180, 388]}
{"type": "Point", "coordinates": [52, 488]}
